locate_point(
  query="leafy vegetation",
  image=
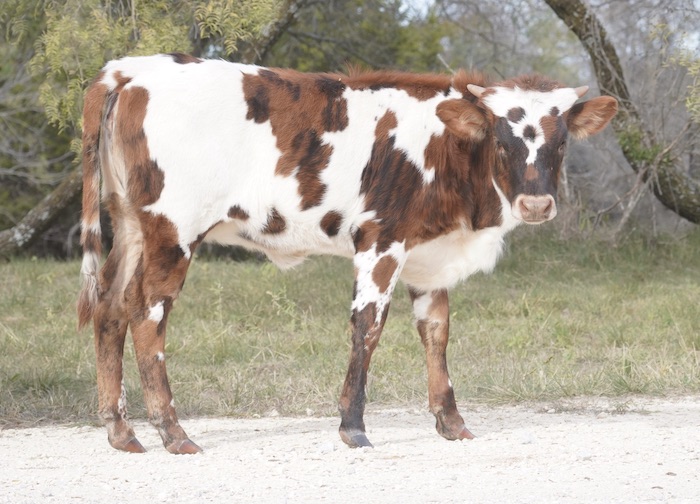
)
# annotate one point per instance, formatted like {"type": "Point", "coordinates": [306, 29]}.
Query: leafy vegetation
{"type": "Point", "coordinates": [556, 319]}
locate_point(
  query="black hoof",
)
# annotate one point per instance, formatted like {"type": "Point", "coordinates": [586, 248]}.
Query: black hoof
{"type": "Point", "coordinates": [355, 439]}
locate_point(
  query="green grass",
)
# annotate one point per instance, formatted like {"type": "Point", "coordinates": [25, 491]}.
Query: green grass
{"type": "Point", "coordinates": [557, 319]}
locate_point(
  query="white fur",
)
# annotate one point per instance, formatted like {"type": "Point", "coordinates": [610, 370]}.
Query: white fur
{"type": "Point", "coordinates": [421, 306]}
{"type": "Point", "coordinates": [156, 312]}
{"type": "Point", "coordinates": [368, 291]}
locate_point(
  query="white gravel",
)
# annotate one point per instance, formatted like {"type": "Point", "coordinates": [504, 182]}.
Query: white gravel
{"type": "Point", "coordinates": [531, 453]}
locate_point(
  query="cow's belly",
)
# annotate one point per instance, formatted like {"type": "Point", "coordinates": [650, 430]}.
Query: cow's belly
{"type": "Point", "coordinates": [443, 262]}
{"type": "Point", "coordinates": [287, 249]}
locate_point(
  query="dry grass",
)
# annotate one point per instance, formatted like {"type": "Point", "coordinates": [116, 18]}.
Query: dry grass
{"type": "Point", "coordinates": [557, 319]}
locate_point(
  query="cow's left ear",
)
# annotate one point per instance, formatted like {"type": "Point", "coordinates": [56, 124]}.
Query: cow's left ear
{"type": "Point", "coordinates": [590, 117]}
{"type": "Point", "coordinates": [463, 118]}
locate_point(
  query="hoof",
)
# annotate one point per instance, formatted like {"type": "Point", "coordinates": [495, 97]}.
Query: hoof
{"type": "Point", "coordinates": [454, 434]}
{"type": "Point", "coordinates": [454, 431]}
{"type": "Point", "coordinates": [131, 445]}
{"type": "Point", "coordinates": [185, 447]}
{"type": "Point", "coordinates": [355, 439]}
{"type": "Point", "coordinates": [463, 434]}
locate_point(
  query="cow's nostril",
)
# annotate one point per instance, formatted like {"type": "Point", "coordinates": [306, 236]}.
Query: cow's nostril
{"type": "Point", "coordinates": [536, 208]}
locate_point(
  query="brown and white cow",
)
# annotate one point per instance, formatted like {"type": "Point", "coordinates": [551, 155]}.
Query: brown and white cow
{"type": "Point", "coordinates": [416, 177]}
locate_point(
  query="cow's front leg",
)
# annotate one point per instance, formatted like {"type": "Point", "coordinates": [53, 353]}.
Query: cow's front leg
{"type": "Point", "coordinates": [375, 278]}
{"type": "Point", "coordinates": [432, 313]}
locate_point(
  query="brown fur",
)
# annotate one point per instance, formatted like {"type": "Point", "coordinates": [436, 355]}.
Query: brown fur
{"type": "Point", "coordinates": [236, 212]}
{"type": "Point", "coordinates": [383, 271]}
{"type": "Point", "coordinates": [330, 223]}
{"type": "Point", "coordinates": [317, 108]}
{"type": "Point", "coordinates": [275, 223]}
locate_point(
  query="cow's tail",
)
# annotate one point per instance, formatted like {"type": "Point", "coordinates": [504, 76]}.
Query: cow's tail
{"type": "Point", "coordinates": [91, 231]}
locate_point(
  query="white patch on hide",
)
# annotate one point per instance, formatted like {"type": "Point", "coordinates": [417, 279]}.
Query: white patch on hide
{"type": "Point", "coordinates": [367, 290]}
{"type": "Point", "coordinates": [156, 312]}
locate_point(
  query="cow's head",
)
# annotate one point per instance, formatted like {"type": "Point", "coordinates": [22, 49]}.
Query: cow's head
{"type": "Point", "coordinates": [527, 122]}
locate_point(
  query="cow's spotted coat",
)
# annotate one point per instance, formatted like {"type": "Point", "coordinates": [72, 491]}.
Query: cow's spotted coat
{"type": "Point", "coordinates": [415, 177]}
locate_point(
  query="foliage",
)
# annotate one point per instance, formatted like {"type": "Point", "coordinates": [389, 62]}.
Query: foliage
{"type": "Point", "coordinates": [33, 155]}
{"type": "Point", "coordinates": [678, 52]}
{"type": "Point", "coordinates": [81, 35]}
{"type": "Point", "coordinates": [329, 36]}
{"type": "Point", "coordinates": [226, 23]}
{"type": "Point", "coordinates": [631, 142]}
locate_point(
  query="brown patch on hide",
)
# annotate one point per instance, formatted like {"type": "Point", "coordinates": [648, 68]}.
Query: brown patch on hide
{"type": "Point", "coordinates": [383, 271]}
{"type": "Point", "coordinates": [552, 126]}
{"type": "Point", "coordinates": [300, 108]}
{"type": "Point", "coordinates": [419, 86]}
{"type": "Point", "coordinates": [384, 125]}
{"type": "Point", "coordinates": [330, 223]}
{"type": "Point", "coordinates": [145, 179]}
{"type": "Point", "coordinates": [531, 82]}
{"type": "Point", "coordinates": [275, 223]}
{"type": "Point", "coordinates": [515, 114]}
{"type": "Point", "coordinates": [236, 212]}
{"type": "Point", "coordinates": [529, 132]}
{"type": "Point", "coordinates": [531, 173]}
{"type": "Point", "coordinates": [184, 59]}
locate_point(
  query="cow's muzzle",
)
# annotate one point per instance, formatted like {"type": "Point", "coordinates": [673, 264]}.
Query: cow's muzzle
{"type": "Point", "coordinates": [534, 209]}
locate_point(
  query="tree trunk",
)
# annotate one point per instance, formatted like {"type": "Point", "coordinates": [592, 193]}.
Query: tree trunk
{"type": "Point", "coordinates": [42, 216]}
{"type": "Point", "coordinates": [672, 186]}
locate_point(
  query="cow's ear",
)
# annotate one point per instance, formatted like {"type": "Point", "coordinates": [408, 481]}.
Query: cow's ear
{"type": "Point", "coordinates": [590, 117]}
{"type": "Point", "coordinates": [463, 118]}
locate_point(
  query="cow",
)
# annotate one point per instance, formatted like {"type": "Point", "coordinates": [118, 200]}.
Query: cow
{"type": "Point", "coordinates": [414, 177]}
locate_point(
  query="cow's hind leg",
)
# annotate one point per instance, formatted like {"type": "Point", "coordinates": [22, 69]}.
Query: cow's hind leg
{"type": "Point", "coordinates": [156, 283]}
{"type": "Point", "coordinates": [432, 313]}
{"type": "Point", "coordinates": [375, 278]}
{"type": "Point", "coordinates": [111, 321]}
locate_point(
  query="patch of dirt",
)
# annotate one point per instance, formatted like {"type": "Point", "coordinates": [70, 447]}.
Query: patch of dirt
{"type": "Point", "coordinates": [633, 450]}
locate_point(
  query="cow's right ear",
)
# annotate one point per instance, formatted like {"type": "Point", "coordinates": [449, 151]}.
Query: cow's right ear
{"type": "Point", "coordinates": [463, 118]}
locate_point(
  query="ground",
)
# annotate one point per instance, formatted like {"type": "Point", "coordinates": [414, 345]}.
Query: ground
{"type": "Point", "coordinates": [586, 450]}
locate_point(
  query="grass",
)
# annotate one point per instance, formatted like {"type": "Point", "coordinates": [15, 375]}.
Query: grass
{"type": "Point", "coordinates": [557, 319]}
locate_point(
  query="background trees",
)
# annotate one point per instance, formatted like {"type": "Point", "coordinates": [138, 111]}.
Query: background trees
{"type": "Point", "coordinates": [54, 47]}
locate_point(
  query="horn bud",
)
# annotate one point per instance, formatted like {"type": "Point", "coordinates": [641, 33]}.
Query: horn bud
{"type": "Point", "coordinates": [475, 90]}
{"type": "Point", "coordinates": [580, 91]}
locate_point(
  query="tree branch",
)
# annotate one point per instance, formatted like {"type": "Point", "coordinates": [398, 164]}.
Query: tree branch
{"type": "Point", "coordinates": [42, 216]}
{"type": "Point", "coordinates": [673, 187]}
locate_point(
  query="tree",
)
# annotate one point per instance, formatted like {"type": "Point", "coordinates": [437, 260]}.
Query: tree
{"type": "Point", "coordinates": [33, 157]}
{"type": "Point", "coordinates": [330, 35]}
{"type": "Point", "coordinates": [507, 38]}
{"type": "Point", "coordinates": [655, 160]}
{"type": "Point", "coordinates": [78, 36]}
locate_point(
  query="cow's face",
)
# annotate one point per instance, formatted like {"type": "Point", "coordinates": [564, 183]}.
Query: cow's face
{"type": "Point", "coordinates": [527, 130]}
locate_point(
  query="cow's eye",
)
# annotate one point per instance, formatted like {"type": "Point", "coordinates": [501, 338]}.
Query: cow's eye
{"type": "Point", "coordinates": [562, 147]}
